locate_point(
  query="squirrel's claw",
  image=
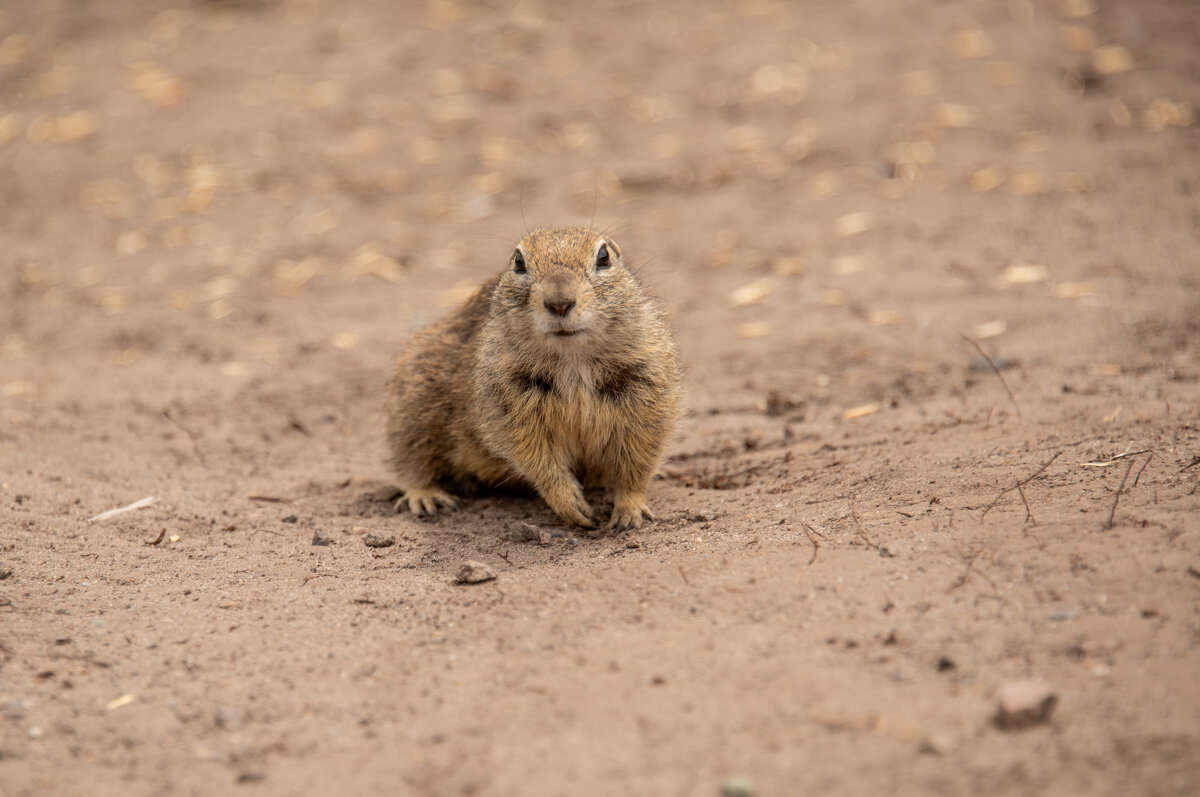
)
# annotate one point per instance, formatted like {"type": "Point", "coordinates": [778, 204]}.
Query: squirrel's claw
{"type": "Point", "coordinates": [424, 502]}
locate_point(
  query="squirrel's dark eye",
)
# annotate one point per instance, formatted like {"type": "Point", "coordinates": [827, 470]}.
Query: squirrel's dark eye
{"type": "Point", "coordinates": [519, 262]}
{"type": "Point", "coordinates": [602, 258]}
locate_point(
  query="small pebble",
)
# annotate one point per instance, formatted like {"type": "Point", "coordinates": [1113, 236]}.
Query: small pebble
{"type": "Point", "coordinates": [737, 786]}
{"type": "Point", "coordinates": [473, 572]}
{"type": "Point", "coordinates": [321, 538]}
{"type": "Point", "coordinates": [379, 540]}
{"type": "Point", "coordinates": [290, 519]}
{"type": "Point", "coordinates": [1023, 704]}
{"type": "Point", "coordinates": [527, 532]}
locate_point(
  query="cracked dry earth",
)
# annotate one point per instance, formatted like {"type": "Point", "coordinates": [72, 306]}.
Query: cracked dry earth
{"type": "Point", "coordinates": [917, 256]}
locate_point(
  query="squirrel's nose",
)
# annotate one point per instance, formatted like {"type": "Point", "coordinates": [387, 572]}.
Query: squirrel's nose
{"type": "Point", "coordinates": [559, 307]}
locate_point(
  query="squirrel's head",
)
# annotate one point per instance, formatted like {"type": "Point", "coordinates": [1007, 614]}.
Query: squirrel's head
{"type": "Point", "coordinates": [569, 287]}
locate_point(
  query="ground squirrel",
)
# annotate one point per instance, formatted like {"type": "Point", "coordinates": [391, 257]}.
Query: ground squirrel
{"type": "Point", "coordinates": [560, 370]}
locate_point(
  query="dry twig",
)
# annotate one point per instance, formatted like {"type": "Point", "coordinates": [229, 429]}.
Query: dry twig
{"type": "Point", "coordinates": [995, 369]}
{"type": "Point", "coordinates": [1019, 485]}
{"type": "Point", "coordinates": [859, 529]}
{"type": "Point", "coordinates": [1139, 473]}
{"type": "Point", "coordinates": [812, 535]}
{"type": "Point", "coordinates": [1028, 512]}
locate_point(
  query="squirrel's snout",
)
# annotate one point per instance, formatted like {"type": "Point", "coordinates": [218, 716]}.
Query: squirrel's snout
{"type": "Point", "coordinates": [559, 307]}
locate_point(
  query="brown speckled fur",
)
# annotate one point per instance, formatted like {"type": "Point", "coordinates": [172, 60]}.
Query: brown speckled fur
{"type": "Point", "coordinates": [509, 390]}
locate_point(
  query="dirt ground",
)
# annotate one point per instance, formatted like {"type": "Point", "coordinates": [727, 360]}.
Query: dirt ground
{"type": "Point", "coordinates": [219, 221]}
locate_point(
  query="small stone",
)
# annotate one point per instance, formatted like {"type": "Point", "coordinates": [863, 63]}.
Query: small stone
{"type": "Point", "coordinates": [14, 709]}
{"type": "Point", "coordinates": [379, 540]}
{"type": "Point", "coordinates": [737, 786]}
{"type": "Point", "coordinates": [321, 538]}
{"type": "Point", "coordinates": [5, 572]}
{"type": "Point", "coordinates": [937, 744]}
{"type": "Point", "coordinates": [290, 519]}
{"type": "Point", "coordinates": [473, 572]}
{"type": "Point", "coordinates": [527, 532]}
{"type": "Point", "coordinates": [1023, 704]}
{"type": "Point", "coordinates": [634, 544]}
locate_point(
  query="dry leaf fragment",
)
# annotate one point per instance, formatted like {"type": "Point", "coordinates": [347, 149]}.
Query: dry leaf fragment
{"type": "Point", "coordinates": [990, 329]}
{"type": "Point", "coordinates": [1112, 59]}
{"type": "Point", "coordinates": [115, 703]}
{"type": "Point", "coordinates": [971, 43]}
{"type": "Point", "coordinates": [1028, 183]}
{"type": "Point", "coordinates": [8, 128]}
{"type": "Point", "coordinates": [884, 318]}
{"type": "Point", "coordinates": [1163, 113]}
{"type": "Point", "coordinates": [788, 266]}
{"type": "Point", "coordinates": [368, 259]}
{"type": "Point", "coordinates": [754, 329]}
{"type": "Point", "coordinates": [1112, 416]}
{"type": "Point", "coordinates": [345, 341]}
{"type": "Point", "coordinates": [64, 129]}
{"type": "Point", "coordinates": [1075, 290]}
{"type": "Point", "coordinates": [987, 179]}
{"type": "Point", "coordinates": [1025, 274]}
{"type": "Point", "coordinates": [861, 411]}
{"type": "Point", "coordinates": [1077, 38]}
{"type": "Point", "coordinates": [1119, 113]}
{"type": "Point", "coordinates": [848, 265]}
{"type": "Point", "coordinates": [949, 114]}
{"type": "Point", "coordinates": [753, 293]}
{"type": "Point", "coordinates": [853, 224]}
{"type": "Point", "coordinates": [1076, 9]}
{"type": "Point", "coordinates": [235, 369]}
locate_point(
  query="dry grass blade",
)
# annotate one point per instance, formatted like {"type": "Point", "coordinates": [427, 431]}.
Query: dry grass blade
{"type": "Point", "coordinates": [1113, 460]}
{"type": "Point", "coordinates": [995, 370]}
{"type": "Point", "coordinates": [1116, 499]}
{"type": "Point", "coordinates": [143, 502]}
{"type": "Point", "coordinates": [1019, 485]}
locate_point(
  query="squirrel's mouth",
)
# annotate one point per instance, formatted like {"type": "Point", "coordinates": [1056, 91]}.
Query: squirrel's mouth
{"type": "Point", "coordinates": [565, 333]}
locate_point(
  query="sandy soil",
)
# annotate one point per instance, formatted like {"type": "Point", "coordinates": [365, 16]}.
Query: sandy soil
{"type": "Point", "coordinates": [220, 221]}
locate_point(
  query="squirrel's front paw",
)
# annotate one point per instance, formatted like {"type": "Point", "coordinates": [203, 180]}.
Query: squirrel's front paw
{"type": "Point", "coordinates": [629, 510]}
{"type": "Point", "coordinates": [424, 501]}
{"type": "Point", "coordinates": [574, 509]}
